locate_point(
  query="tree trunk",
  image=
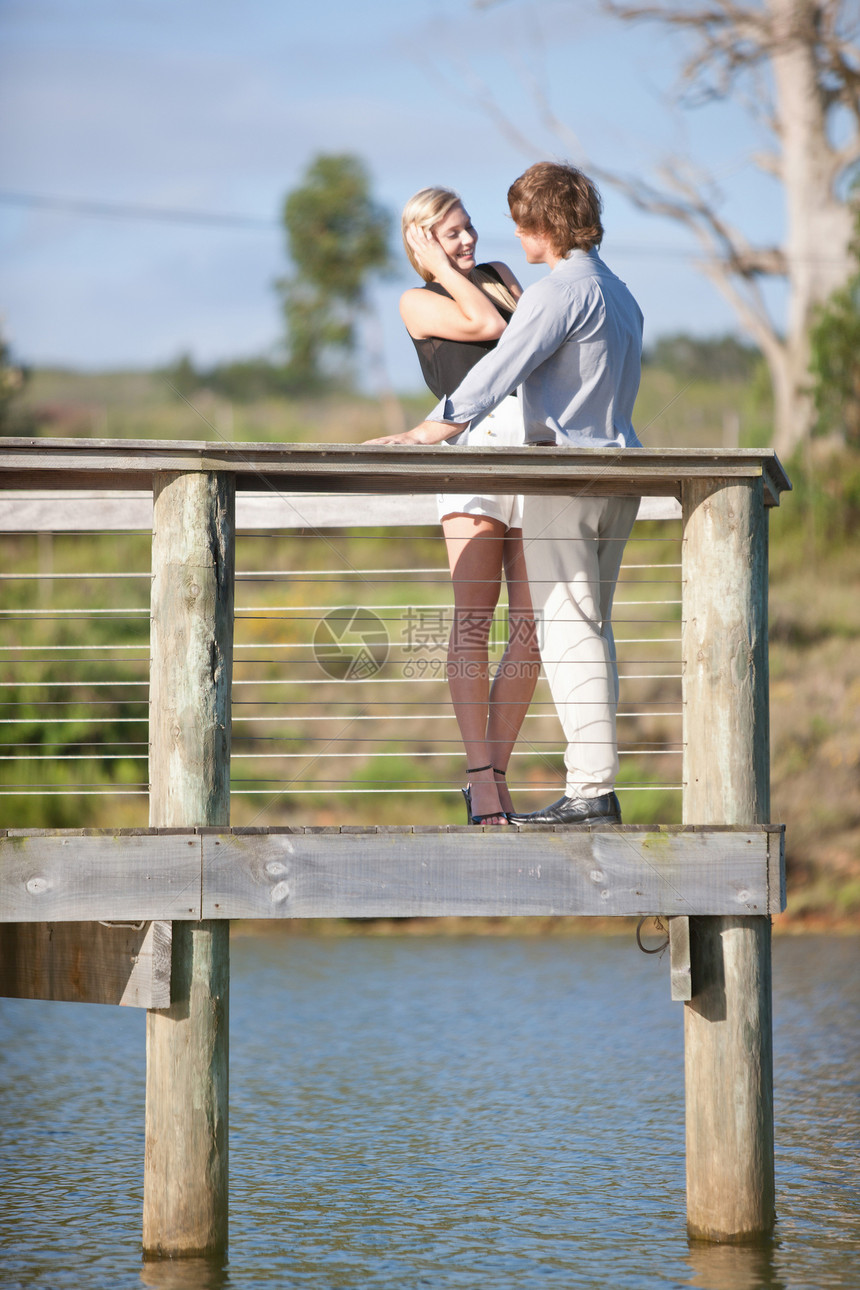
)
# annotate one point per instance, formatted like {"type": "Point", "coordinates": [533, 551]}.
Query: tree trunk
{"type": "Point", "coordinates": [819, 225]}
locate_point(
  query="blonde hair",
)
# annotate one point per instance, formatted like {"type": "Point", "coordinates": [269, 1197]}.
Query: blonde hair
{"type": "Point", "coordinates": [425, 210]}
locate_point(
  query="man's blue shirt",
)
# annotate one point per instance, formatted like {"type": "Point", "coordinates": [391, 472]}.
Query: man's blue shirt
{"type": "Point", "coordinates": [574, 349]}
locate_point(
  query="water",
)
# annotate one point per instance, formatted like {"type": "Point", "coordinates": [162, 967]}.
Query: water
{"type": "Point", "coordinates": [436, 1112]}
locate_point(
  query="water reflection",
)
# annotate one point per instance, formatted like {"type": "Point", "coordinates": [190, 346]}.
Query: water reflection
{"type": "Point", "coordinates": [734, 1267]}
{"type": "Point", "coordinates": [185, 1274]}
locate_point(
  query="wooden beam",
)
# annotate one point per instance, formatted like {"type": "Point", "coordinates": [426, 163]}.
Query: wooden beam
{"type": "Point", "coordinates": [124, 963]}
{"type": "Point", "coordinates": [351, 468]}
{"type": "Point", "coordinates": [532, 872]}
{"type": "Point", "coordinates": [392, 873]}
{"type": "Point", "coordinates": [679, 959]}
{"type": "Point", "coordinates": [74, 876]}
{"type": "Point", "coordinates": [76, 512]}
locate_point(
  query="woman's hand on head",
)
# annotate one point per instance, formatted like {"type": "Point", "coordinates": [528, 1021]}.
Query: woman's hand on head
{"type": "Point", "coordinates": [428, 432]}
{"type": "Point", "coordinates": [427, 249]}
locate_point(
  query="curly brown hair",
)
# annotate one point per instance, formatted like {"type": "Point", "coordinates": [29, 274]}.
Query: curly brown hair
{"type": "Point", "coordinates": [559, 201]}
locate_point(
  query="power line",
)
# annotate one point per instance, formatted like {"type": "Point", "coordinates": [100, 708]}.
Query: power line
{"type": "Point", "coordinates": [217, 219]}
{"type": "Point", "coordinates": [130, 210]}
{"type": "Point", "coordinates": [164, 215]}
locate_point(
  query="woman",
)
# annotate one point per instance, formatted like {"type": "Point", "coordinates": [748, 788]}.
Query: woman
{"type": "Point", "coordinates": [454, 319]}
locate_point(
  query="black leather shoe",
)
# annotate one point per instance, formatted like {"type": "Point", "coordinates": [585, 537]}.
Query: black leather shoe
{"type": "Point", "coordinates": [575, 810]}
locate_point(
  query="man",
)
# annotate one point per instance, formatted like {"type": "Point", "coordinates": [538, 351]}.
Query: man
{"type": "Point", "coordinates": [574, 348]}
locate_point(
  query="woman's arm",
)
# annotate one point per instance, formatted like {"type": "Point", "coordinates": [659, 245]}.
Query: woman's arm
{"type": "Point", "coordinates": [430, 432]}
{"type": "Point", "coordinates": [536, 333]}
{"type": "Point", "coordinates": [468, 315]}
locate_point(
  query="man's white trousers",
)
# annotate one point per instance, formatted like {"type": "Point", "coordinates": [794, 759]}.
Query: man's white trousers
{"type": "Point", "coordinates": [573, 548]}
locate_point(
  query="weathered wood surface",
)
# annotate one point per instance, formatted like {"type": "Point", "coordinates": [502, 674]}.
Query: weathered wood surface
{"type": "Point", "coordinates": [72, 877]}
{"type": "Point", "coordinates": [191, 647]}
{"type": "Point", "coordinates": [351, 468]}
{"type": "Point", "coordinates": [679, 959]}
{"type": "Point", "coordinates": [724, 652]}
{"type": "Point", "coordinates": [728, 1064]}
{"type": "Point", "coordinates": [63, 512]}
{"type": "Point", "coordinates": [385, 874]}
{"type": "Point", "coordinates": [185, 1168]}
{"type": "Point", "coordinates": [126, 964]}
{"type": "Point", "coordinates": [727, 1023]}
{"type": "Point", "coordinates": [370, 873]}
{"type": "Point", "coordinates": [187, 1054]}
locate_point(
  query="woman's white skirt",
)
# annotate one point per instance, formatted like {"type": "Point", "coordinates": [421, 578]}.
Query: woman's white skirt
{"type": "Point", "coordinates": [501, 428]}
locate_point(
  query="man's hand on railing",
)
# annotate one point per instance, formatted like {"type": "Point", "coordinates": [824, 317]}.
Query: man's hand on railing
{"type": "Point", "coordinates": [428, 432]}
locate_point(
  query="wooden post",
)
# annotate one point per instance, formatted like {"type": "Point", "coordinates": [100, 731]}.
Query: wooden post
{"type": "Point", "coordinates": [727, 1024]}
{"type": "Point", "coordinates": [185, 1170]}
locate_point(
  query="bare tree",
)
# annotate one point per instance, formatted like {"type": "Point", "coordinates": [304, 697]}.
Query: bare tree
{"type": "Point", "coordinates": [798, 62]}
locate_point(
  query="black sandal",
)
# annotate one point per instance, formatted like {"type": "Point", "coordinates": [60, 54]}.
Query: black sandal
{"type": "Point", "coordinates": [467, 794]}
{"type": "Point", "coordinates": [504, 775]}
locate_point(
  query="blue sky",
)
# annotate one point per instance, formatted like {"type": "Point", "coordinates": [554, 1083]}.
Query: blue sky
{"type": "Point", "coordinates": [219, 106]}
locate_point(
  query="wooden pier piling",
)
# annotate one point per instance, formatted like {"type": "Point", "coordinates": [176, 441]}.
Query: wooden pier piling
{"type": "Point", "coordinates": [727, 1024]}
{"type": "Point", "coordinates": [187, 1054]}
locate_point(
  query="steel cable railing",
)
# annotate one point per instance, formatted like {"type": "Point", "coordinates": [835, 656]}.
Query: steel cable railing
{"type": "Point", "coordinates": [322, 733]}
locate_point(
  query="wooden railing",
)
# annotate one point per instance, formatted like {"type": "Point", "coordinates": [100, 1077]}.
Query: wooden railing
{"type": "Point", "coordinates": [718, 876]}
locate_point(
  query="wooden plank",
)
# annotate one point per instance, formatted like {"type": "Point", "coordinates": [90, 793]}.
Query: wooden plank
{"type": "Point", "coordinates": [74, 877]}
{"type": "Point", "coordinates": [76, 463]}
{"type": "Point", "coordinates": [434, 476]}
{"type": "Point", "coordinates": [776, 871]}
{"type": "Point", "coordinates": [154, 965]}
{"type": "Point", "coordinates": [126, 964]}
{"type": "Point", "coordinates": [366, 873]}
{"type": "Point", "coordinates": [59, 511]}
{"type": "Point", "coordinates": [679, 959]}
{"type": "Point", "coordinates": [177, 455]}
{"type": "Point", "coordinates": [64, 512]}
{"type": "Point", "coordinates": [494, 873]}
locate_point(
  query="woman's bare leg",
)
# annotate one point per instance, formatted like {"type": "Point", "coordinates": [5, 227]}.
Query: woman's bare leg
{"type": "Point", "coordinates": [517, 673]}
{"type": "Point", "coordinates": [475, 554]}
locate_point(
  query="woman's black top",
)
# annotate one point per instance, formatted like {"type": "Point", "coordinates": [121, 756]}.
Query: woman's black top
{"type": "Point", "coordinates": [444, 363]}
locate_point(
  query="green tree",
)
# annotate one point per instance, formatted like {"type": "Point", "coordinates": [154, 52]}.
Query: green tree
{"type": "Point", "coordinates": [835, 363]}
{"type": "Point", "coordinates": [182, 376]}
{"type": "Point", "coordinates": [13, 378]}
{"type": "Point", "coordinates": [337, 238]}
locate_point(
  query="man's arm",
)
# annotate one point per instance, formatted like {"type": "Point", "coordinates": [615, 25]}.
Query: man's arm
{"type": "Point", "coordinates": [426, 432]}
{"type": "Point", "coordinates": [537, 329]}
